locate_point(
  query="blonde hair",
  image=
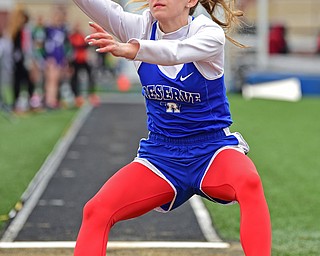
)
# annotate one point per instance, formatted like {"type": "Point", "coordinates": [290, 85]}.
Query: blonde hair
{"type": "Point", "coordinates": [17, 20]}
{"type": "Point", "coordinates": [231, 14]}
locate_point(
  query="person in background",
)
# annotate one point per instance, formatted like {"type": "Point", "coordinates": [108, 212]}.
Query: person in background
{"type": "Point", "coordinates": [80, 62]}
{"type": "Point", "coordinates": [56, 52]}
{"type": "Point", "coordinates": [5, 68]}
{"type": "Point", "coordinates": [277, 40]}
{"type": "Point", "coordinates": [22, 56]}
{"type": "Point", "coordinates": [318, 43]}
{"type": "Point", "coordinates": [39, 38]}
{"type": "Point", "coordinates": [190, 148]}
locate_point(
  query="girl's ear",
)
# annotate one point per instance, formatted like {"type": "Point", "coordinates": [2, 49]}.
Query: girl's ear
{"type": "Point", "coordinates": [192, 3]}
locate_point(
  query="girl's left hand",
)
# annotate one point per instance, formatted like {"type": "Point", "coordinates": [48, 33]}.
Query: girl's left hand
{"type": "Point", "coordinates": [107, 43]}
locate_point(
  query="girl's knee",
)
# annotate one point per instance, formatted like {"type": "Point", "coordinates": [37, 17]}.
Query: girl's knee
{"type": "Point", "coordinates": [243, 171]}
{"type": "Point", "coordinates": [252, 181]}
{"type": "Point", "coordinates": [89, 210]}
{"type": "Point", "coordinates": [250, 186]}
{"type": "Point", "coordinates": [94, 212]}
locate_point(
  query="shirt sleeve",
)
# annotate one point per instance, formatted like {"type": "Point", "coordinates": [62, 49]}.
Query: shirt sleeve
{"type": "Point", "coordinates": [205, 45]}
{"type": "Point", "coordinates": [111, 16]}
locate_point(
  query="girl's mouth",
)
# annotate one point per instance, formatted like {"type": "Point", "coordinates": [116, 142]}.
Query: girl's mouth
{"type": "Point", "coordinates": [158, 5]}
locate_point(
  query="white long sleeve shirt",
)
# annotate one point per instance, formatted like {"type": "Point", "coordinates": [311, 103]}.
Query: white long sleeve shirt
{"type": "Point", "coordinates": [201, 41]}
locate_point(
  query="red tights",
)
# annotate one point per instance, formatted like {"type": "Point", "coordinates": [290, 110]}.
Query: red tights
{"type": "Point", "coordinates": [135, 190]}
{"type": "Point", "coordinates": [233, 176]}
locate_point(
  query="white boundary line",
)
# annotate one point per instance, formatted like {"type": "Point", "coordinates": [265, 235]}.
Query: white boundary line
{"type": "Point", "coordinates": [39, 183]}
{"type": "Point", "coordinates": [204, 219]}
{"type": "Point", "coordinates": [117, 245]}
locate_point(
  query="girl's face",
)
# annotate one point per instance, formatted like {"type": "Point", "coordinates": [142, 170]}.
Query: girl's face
{"type": "Point", "coordinates": [172, 13]}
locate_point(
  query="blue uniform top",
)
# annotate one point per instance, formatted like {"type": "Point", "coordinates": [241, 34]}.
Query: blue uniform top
{"type": "Point", "coordinates": [55, 44]}
{"type": "Point", "coordinates": [186, 105]}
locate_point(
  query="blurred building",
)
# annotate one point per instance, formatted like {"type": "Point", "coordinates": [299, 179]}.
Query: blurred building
{"type": "Point", "coordinates": [293, 28]}
{"type": "Point", "coordinates": [300, 18]}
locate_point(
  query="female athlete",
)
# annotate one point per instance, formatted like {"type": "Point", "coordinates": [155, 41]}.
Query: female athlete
{"type": "Point", "coordinates": [190, 148]}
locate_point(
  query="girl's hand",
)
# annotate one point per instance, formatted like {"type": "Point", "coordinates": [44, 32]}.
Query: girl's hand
{"type": "Point", "coordinates": [107, 43]}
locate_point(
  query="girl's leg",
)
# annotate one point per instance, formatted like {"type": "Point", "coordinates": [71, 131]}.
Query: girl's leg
{"type": "Point", "coordinates": [53, 75]}
{"type": "Point", "coordinates": [233, 176]}
{"type": "Point", "coordinates": [91, 84]}
{"type": "Point", "coordinates": [30, 83]}
{"type": "Point", "coordinates": [94, 99]}
{"type": "Point", "coordinates": [131, 192]}
{"type": "Point", "coordinates": [74, 80]}
{"type": "Point", "coordinates": [16, 86]}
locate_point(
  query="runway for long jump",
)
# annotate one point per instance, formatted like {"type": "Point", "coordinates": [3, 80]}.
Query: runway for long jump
{"type": "Point", "coordinates": [100, 141]}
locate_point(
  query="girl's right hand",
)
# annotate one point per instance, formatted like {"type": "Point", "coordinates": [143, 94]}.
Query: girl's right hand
{"type": "Point", "coordinates": [107, 43]}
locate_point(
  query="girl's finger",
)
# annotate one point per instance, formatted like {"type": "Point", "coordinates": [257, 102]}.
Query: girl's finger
{"type": "Point", "coordinates": [91, 42]}
{"type": "Point", "coordinates": [100, 35]}
{"type": "Point", "coordinates": [97, 36]}
{"type": "Point", "coordinates": [101, 43]}
{"type": "Point", "coordinates": [96, 26]}
{"type": "Point", "coordinates": [105, 49]}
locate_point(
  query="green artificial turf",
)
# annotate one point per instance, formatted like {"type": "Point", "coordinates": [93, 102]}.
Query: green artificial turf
{"type": "Point", "coordinates": [25, 143]}
{"type": "Point", "coordinates": [284, 138]}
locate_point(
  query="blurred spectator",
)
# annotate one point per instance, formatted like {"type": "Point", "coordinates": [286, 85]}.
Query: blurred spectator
{"type": "Point", "coordinates": [318, 43]}
{"type": "Point", "coordinates": [22, 57]}
{"type": "Point", "coordinates": [5, 68]}
{"type": "Point", "coordinates": [277, 40]}
{"type": "Point", "coordinates": [39, 38]}
{"type": "Point", "coordinates": [56, 47]}
{"type": "Point", "coordinates": [5, 58]}
{"type": "Point", "coordinates": [80, 62]}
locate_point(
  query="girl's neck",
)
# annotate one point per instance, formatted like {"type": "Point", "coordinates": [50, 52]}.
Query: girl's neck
{"type": "Point", "coordinates": [169, 27]}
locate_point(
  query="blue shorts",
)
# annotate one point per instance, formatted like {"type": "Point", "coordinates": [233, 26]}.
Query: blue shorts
{"type": "Point", "coordinates": [183, 162]}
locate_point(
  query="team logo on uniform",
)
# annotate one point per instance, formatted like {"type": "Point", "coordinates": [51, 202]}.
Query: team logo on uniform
{"type": "Point", "coordinates": [172, 107]}
{"type": "Point", "coordinates": [182, 78]}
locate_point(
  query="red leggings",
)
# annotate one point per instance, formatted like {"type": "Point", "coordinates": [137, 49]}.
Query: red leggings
{"type": "Point", "coordinates": [135, 190]}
